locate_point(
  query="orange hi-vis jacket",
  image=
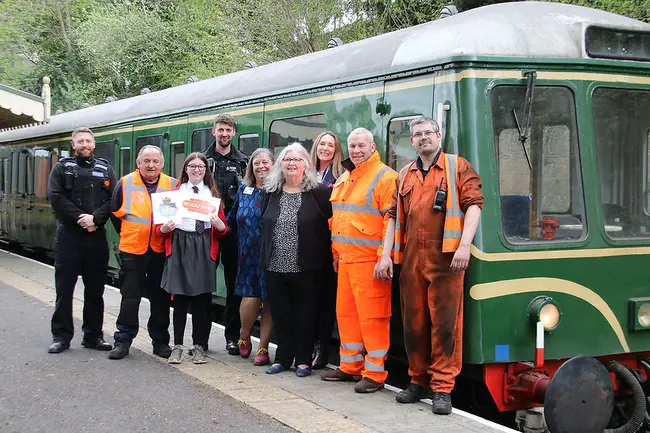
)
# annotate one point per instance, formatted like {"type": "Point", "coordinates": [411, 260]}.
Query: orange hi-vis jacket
{"type": "Point", "coordinates": [360, 203]}
{"type": "Point", "coordinates": [454, 217]}
{"type": "Point", "coordinates": [137, 231]}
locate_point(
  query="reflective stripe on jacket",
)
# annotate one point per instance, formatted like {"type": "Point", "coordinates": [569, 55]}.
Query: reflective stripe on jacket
{"type": "Point", "coordinates": [454, 217]}
{"type": "Point", "coordinates": [360, 203]}
{"type": "Point", "coordinates": [137, 232]}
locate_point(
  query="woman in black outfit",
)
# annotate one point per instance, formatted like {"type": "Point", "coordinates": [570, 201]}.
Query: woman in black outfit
{"type": "Point", "coordinates": [295, 251]}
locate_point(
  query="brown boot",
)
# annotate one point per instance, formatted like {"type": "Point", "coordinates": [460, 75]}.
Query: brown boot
{"type": "Point", "coordinates": [339, 376]}
{"type": "Point", "coordinates": [367, 385]}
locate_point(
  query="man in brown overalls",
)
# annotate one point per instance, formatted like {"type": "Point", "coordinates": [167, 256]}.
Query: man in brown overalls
{"type": "Point", "coordinates": [436, 209]}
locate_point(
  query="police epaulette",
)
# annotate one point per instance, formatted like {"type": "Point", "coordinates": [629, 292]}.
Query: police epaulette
{"type": "Point", "coordinates": [102, 160]}
{"type": "Point", "coordinates": [68, 161]}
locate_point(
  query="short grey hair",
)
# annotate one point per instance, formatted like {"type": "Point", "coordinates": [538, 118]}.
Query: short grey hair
{"type": "Point", "coordinates": [249, 177]}
{"type": "Point", "coordinates": [275, 179]}
{"type": "Point", "coordinates": [359, 131]}
{"type": "Point", "coordinates": [423, 120]}
{"type": "Point", "coordinates": [150, 147]}
{"type": "Point", "coordinates": [82, 130]}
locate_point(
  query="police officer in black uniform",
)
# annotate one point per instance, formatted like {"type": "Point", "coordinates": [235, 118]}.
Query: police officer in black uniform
{"type": "Point", "coordinates": [228, 165]}
{"type": "Point", "coordinates": [80, 190]}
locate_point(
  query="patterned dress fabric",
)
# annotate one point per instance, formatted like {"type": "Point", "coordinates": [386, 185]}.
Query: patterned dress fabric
{"type": "Point", "coordinates": [284, 249]}
{"type": "Point", "coordinates": [246, 217]}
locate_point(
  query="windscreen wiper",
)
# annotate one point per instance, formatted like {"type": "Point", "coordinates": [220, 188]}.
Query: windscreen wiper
{"type": "Point", "coordinates": [524, 133]}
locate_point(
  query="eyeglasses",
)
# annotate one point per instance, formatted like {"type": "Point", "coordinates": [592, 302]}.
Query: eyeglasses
{"type": "Point", "coordinates": [292, 160]}
{"type": "Point", "coordinates": [428, 133]}
{"type": "Point", "coordinates": [196, 167]}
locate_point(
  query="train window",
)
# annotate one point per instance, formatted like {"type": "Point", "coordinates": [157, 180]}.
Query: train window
{"type": "Point", "coordinates": [301, 129]}
{"type": "Point", "coordinates": [14, 172]}
{"type": "Point", "coordinates": [106, 150]}
{"type": "Point", "coordinates": [22, 173]}
{"type": "Point", "coordinates": [29, 172]}
{"type": "Point", "coordinates": [400, 151]}
{"type": "Point", "coordinates": [42, 167]}
{"type": "Point", "coordinates": [125, 161]}
{"type": "Point", "coordinates": [621, 123]}
{"type": "Point", "coordinates": [202, 139]}
{"type": "Point", "coordinates": [248, 143]}
{"type": "Point", "coordinates": [178, 157]}
{"type": "Point", "coordinates": [2, 176]}
{"type": "Point", "coordinates": [540, 179]}
{"type": "Point", "coordinates": [6, 185]}
{"type": "Point", "coordinates": [154, 140]}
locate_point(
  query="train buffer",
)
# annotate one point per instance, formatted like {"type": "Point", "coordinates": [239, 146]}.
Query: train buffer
{"type": "Point", "coordinates": [273, 403]}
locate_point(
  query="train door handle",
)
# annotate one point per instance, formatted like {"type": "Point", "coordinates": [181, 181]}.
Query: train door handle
{"type": "Point", "coordinates": [17, 207]}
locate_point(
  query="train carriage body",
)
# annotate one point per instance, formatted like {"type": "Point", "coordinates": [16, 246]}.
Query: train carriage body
{"type": "Point", "coordinates": [549, 102]}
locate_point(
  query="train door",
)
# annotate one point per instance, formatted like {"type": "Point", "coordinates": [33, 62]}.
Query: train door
{"type": "Point", "coordinates": [403, 100]}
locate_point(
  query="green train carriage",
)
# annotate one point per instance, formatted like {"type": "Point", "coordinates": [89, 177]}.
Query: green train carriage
{"type": "Point", "coordinates": [551, 105]}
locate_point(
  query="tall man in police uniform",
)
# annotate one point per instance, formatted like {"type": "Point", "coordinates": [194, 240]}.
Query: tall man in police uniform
{"type": "Point", "coordinates": [228, 165]}
{"type": "Point", "coordinates": [80, 190]}
{"type": "Point", "coordinates": [142, 254]}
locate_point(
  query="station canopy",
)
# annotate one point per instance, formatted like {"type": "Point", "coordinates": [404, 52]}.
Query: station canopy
{"type": "Point", "coordinates": [20, 109]}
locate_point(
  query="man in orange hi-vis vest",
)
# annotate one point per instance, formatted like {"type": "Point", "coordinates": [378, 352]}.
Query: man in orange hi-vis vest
{"type": "Point", "coordinates": [360, 200]}
{"type": "Point", "coordinates": [435, 213]}
{"type": "Point", "coordinates": [142, 254]}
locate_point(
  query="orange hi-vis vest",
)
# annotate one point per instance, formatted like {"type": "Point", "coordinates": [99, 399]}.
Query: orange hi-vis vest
{"type": "Point", "coordinates": [454, 217]}
{"type": "Point", "coordinates": [137, 232]}
{"type": "Point", "coordinates": [360, 203]}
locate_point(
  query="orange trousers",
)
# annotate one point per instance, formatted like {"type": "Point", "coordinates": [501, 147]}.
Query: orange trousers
{"type": "Point", "coordinates": [363, 308]}
{"type": "Point", "coordinates": [432, 312]}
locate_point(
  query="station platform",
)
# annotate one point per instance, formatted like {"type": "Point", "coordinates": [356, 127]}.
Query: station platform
{"type": "Point", "coordinates": [81, 390]}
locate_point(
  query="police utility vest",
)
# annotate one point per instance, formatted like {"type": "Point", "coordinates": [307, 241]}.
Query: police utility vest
{"type": "Point", "coordinates": [87, 186]}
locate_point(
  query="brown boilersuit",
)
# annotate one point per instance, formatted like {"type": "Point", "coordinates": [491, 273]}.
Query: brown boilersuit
{"type": "Point", "coordinates": [431, 293]}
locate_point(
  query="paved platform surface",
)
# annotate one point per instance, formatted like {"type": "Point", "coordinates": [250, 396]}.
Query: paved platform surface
{"type": "Point", "coordinates": [133, 394]}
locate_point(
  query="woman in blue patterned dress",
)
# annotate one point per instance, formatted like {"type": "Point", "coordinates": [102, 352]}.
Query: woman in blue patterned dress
{"type": "Point", "coordinates": [250, 284]}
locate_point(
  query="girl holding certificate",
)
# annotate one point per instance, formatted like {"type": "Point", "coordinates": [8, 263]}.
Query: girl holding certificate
{"type": "Point", "coordinates": [191, 247]}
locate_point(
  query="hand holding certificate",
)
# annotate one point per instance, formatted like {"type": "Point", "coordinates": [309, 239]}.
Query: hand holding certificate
{"type": "Point", "coordinates": [174, 205]}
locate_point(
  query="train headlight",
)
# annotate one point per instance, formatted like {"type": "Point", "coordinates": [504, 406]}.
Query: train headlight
{"type": "Point", "coordinates": [544, 309]}
{"type": "Point", "coordinates": [639, 314]}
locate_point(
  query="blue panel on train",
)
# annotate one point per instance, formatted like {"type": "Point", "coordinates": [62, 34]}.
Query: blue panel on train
{"type": "Point", "coordinates": [514, 211]}
{"type": "Point", "coordinates": [502, 352]}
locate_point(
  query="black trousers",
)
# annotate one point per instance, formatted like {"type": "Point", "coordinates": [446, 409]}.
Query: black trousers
{"type": "Point", "coordinates": [201, 323]}
{"type": "Point", "coordinates": [293, 298]}
{"type": "Point", "coordinates": [140, 276]}
{"type": "Point", "coordinates": [86, 256]}
{"type": "Point", "coordinates": [229, 256]}
{"type": "Point", "coordinates": [326, 309]}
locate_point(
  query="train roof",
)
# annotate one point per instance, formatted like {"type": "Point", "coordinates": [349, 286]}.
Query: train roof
{"type": "Point", "coordinates": [519, 29]}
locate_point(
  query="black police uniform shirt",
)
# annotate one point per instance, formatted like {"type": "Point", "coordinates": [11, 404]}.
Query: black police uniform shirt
{"type": "Point", "coordinates": [81, 186]}
{"type": "Point", "coordinates": [228, 171]}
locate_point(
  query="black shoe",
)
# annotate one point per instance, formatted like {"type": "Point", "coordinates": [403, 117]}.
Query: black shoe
{"type": "Point", "coordinates": [413, 393]}
{"type": "Point", "coordinates": [162, 351]}
{"type": "Point", "coordinates": [232, 348]}
{"type": "Point", "coordinates": [58, 347]}
{"type": "Point", "coordinates": [118, 352]}
{"type": "Point", "coordinates": [441, 403]}
{"type": "Point", "coordinates": [320, 357]}
{"type": "Point", "coordinates": [96, 343]}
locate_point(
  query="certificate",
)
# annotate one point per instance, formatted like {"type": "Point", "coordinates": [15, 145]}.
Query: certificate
{"type": "Point", "coordinates": [167, 206]}
{"type": "Point", "coordinates": [199, 207]}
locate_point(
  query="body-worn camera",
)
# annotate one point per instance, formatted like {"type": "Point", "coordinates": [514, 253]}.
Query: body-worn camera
{"type": "Point", "coordinates": [440, 198]}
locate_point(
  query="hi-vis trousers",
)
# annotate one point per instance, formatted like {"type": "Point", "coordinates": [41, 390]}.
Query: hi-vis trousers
{"type": "Point", "coordinates": [363, 308]}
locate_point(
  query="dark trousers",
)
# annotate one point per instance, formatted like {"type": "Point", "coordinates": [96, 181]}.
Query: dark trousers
{"type": "Point", "coordinates": [326, 309]}
{"type": "Point", "coordinates": [140, 276]}
{"type": "Point", "coordinates": [229, 255]}
{"type": "Point", "coordinates": [86, 256]}
{"type": "Point", "coordinates": [293, 298]}
{"type": "Point", "coordinates": [201, 323]}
